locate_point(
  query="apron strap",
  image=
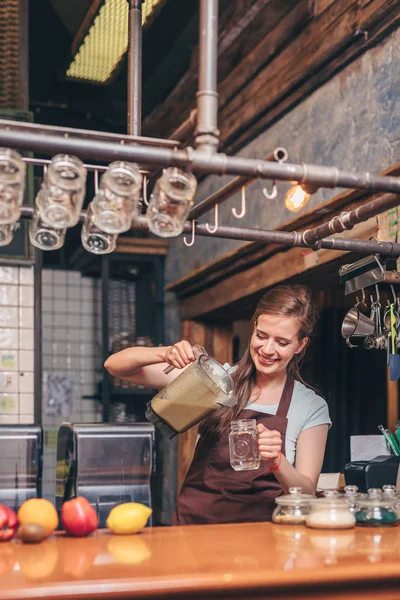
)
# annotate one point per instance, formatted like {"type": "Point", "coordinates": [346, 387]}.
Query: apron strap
{"type": "Point", "coordinates": [286, 398]}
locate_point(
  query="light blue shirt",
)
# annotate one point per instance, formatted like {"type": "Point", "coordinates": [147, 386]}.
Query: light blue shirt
{"type": "Point", "coordinates": [306, 410]}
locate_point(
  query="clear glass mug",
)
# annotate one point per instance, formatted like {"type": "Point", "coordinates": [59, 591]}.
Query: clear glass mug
{"type": "Point", "coordinates": [12, 185]}
{"type": "Point", "coordinates": [243, 445]}
{"type": "Point", "coordinates": [117, 201]}
{"type": "Point", "coordinates": [62, 193]}
{"type": "Point", "coordinates": [45, 236]}
{"type": "Point", "coordinates": [170, 202]}
{"type": "Point", "coordinates": [94, 239]}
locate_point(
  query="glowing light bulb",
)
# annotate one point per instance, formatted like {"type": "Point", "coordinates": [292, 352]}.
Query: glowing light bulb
{"type": "Point", "coordinates": [296, 198]}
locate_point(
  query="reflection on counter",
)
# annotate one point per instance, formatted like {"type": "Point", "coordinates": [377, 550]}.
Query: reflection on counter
{"type": "Point", "coordinates": [228, 552]}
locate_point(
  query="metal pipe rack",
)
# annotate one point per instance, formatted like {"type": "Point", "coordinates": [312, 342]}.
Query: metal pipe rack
{"type": "Point", "coordinates": [156, 153]}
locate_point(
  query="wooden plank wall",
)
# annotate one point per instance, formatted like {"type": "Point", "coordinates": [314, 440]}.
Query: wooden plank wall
{"type": "Point", "coordinates": [262, 77]}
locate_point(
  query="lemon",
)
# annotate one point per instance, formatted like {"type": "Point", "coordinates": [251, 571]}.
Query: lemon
{"type": "Point", "coordinates": [129, 517]}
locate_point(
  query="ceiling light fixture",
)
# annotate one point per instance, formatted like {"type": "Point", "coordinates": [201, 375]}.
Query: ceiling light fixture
{"type": "Point", "coordinates": [102, 41]}
{"type": "Point", "coordinates": [298, 196]}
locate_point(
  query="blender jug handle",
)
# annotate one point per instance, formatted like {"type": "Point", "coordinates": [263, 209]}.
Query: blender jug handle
{"type": "Point", "coordinates": [196, 349]}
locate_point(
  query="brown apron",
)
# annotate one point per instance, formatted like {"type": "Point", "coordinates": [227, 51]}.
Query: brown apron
{"type": "Point", "coordinates": [214, 493]}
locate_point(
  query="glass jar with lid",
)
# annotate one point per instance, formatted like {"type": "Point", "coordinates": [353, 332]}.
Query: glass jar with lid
{"type": "Point", "coordinates": [352, 495]}
{"type": "Point", "coordinates": [292, 508]}
{"type": "Point", "coordinates": [330, 512]}
{"type": "Point", "coordinates": [377, 510]}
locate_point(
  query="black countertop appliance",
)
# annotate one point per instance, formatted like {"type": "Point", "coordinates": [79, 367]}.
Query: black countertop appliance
{"type": "Point", "coordinates": [21, 454]}
{"type": "Point", "coordinates": [374, 473]}
{"type": "Point", "coordinates": [107, 464]}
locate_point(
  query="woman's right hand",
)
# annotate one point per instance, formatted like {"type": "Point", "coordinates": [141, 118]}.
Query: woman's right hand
{"type": "Point", "coordinates": [180, 354]}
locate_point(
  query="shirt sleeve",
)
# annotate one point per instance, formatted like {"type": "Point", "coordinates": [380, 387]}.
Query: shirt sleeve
{"type": "Point", "coordinates": [319, 414]}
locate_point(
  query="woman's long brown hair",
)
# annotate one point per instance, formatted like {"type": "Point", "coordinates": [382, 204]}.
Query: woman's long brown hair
{"type": "Point", "coordinates": [285, 301]}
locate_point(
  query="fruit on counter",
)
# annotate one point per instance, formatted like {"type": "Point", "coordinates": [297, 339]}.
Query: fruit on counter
{"type": "Point", "coordinates": [31, 533]}
{"type": "Point", "coordinates": [38, 511]}
{"type": "Point", "coordinates": [128, 550]}
{"type": "Point", "coordinates": [8, 523]}
{"type": "Point", "coordinates": [129, 517]}
{"type": "Point", "coordinates": [78, 517]}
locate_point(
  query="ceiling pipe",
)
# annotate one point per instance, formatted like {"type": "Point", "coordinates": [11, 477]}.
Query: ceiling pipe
{"type": "Point", "coordinates": [206, 133]}
{"type": "Point", "coordinates": [295, 239]}
{"type": "Point", "coordinates": [135, 67]}
{"type": "Point", "coordinates": [50, 141]}
{"type": "Point", "coordinates": [228, 190]}
{"type": "Point", "coordinates": [283, 238]}
{"type": "Point", "coordinates": [347, 219]}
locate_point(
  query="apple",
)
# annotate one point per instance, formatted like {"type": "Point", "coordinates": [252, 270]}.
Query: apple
{"type": "Point", "coordinates": [8, 523]}
{"type": "Point", "coordinates": [78, 517]}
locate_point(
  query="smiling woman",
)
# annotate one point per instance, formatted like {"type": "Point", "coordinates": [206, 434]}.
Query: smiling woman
{"type": "Point", "coordinates": [292, 420]}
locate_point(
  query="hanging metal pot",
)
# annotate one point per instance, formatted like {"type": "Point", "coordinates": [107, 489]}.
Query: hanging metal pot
{"type": "Point", "coordinates": [355, 324]}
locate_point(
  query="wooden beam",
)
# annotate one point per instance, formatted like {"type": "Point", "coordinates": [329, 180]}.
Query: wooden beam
{"type": "Point", "coordinates": [129, 245]}
{"type": "Point", "coordinates": [344, 31]}
{"type": "Point", "coordinates": [264, 76]}
{"type": "Point", "coordinates": [237, 36]}
{"type": "Point", "coordinates": [324, 37]}
{"type": "Point", "coordinates": [271, 43]}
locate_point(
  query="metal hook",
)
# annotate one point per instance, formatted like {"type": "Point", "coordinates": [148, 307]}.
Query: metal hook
{"type": "Point", "coordinates": [188, 244]}
{"type": "Point", "coordinates": [363, 296]}
{"type": "Point", "coordinates": [213, 229]}
{"type": "Point", "coordinates": [243, 206]}
{"type": "Point", "coordinates": [44, 171]}
{"type": "Point", "coordinates": [350, 345]}
{"type": "Point", "coordinates": [96, 181]}
{"type": "Point", "coordinates": [273, 194]}
{"type": "Point", "coordinates": [145, 200]}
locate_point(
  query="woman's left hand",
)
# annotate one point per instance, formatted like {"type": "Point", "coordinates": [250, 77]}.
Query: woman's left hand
{"type": "Point", "coordinates": [269, 444]}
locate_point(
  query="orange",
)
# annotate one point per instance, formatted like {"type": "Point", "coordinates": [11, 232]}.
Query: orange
{"type": "Point", "coordinates": [39, 511]}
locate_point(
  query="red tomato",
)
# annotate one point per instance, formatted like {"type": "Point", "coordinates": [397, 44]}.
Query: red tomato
{"type": "Point", "coordinates": [78, 517]}
{"type": "Point", "coordinates": [8, 523]}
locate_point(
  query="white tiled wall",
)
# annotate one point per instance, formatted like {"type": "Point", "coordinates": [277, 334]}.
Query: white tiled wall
{"type": "Point", "coordinates": [71, 334]}
{"type": "Point", "coordinates": [16, 345]}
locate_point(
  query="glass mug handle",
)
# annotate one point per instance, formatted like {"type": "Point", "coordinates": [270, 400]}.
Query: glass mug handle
{"type": "Point", "coordinates": [197, 350]}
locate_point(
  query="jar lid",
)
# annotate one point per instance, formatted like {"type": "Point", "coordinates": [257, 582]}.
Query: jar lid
{"type": "Point", "coordinates": [375, 497]}
{"type": "Point", "coordinates": [295, 497]}
{"type": "Point", "coordinates": [332, 499]}
{"type": "Point", "coordinates": [389, 490]}
{"type": "Point", "coordinates": [350, 490]}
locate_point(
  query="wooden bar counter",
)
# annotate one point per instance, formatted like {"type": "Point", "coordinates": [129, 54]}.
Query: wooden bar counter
{"type": "Point", "coordinates": [252, 560]}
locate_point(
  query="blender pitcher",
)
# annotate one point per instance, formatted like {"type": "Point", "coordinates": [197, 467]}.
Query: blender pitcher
{"type": "Point", "coordinates": [201, 388]}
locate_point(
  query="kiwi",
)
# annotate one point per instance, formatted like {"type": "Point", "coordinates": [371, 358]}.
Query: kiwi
{"type": "Point", "coordinates": [31, 533]}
